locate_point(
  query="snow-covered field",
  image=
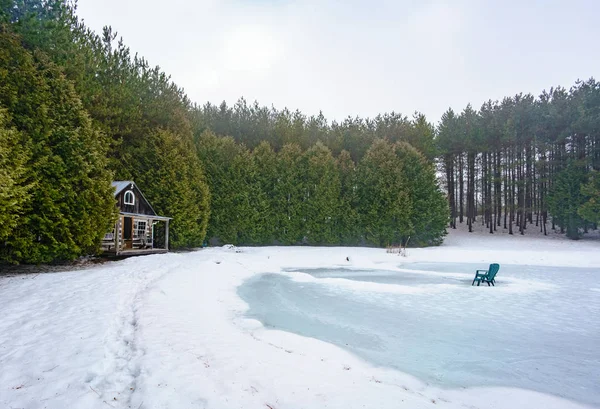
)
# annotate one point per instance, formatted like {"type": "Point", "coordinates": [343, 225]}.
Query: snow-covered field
{"type": "Point", "coordinates": [170, 331]}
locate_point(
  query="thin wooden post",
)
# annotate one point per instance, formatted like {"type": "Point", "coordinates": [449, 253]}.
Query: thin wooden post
{"type": "Point", "coordinates": [118, 234]}
{"type": "Point", "coordinates": [167, 235]}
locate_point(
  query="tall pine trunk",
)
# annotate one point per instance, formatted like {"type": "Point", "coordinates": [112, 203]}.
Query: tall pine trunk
{"type": "Point", "coordinates": [461, 181]}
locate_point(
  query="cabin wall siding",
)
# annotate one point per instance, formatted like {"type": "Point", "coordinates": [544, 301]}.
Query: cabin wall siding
{"type": "Point", "coordinates": [140, 206]}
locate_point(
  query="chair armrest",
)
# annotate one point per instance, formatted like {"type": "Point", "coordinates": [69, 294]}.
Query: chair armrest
{"type": "Point", "coordinates": [485, 271]}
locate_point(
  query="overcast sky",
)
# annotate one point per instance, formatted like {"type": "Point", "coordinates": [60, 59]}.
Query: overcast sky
{"type": "Point", "coordinates": [359, 57]}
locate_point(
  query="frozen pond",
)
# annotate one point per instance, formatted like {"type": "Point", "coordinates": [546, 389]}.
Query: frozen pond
{"type": "Point", "coordinates": [538, 329]}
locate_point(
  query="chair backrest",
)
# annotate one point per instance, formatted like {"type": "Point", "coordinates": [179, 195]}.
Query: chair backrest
{"type": "Point", "coordinates": [493, 271]}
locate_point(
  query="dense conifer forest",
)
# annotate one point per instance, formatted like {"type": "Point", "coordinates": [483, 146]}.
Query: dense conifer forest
{"type": "Point", "coordinates": [78, 110]}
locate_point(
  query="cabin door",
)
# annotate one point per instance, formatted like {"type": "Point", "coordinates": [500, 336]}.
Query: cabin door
{"type": "Point", "coordinates": [127, 231]}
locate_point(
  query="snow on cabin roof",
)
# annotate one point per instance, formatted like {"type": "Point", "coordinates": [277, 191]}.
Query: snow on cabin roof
{"type": "Point", "coordinates": [121, 185]}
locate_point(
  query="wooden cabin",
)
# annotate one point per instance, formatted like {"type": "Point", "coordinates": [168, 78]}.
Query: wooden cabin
{"type": "Point", "coordinates": [138, 230]}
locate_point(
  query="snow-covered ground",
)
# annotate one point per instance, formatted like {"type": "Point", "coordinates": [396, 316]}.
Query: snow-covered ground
{"type": "Point", "coordinates": [170, 331]}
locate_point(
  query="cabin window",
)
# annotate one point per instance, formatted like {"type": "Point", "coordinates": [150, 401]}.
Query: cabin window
{"type": "Point", "coordinates": [129, 198]}
{"type": "Point", "coordinates": [139, 229]}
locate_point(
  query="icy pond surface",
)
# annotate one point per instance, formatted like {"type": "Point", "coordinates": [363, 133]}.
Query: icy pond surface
{"type": "Point", "coordinates": [538, 329]}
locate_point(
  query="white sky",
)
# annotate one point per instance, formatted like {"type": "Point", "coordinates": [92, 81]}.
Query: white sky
{"type": "Point", "coordinates": [359, 57]}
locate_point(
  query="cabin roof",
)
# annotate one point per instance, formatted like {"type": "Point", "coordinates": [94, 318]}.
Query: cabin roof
{"type": "Point", "coordinates": [121, 185]}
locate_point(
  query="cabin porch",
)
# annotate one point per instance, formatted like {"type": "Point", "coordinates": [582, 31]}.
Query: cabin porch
{"type": "Point", "coordinates": [135, 252]}
{"type": "Point", "coordinates": [137, 234]}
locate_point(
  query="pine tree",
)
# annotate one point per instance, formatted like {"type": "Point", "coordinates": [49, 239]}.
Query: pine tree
{"type": "Point", "coordinates": [421, 135]}
{"type": "Point", "coordinates": [446, 144]}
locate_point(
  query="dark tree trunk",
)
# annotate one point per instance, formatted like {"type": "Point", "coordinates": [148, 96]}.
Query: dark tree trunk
{"type": "Point", "coordinates": [461, 181]}
{"type": "Point", "coordinates": [506, 190]}
{"type": "Point", "coordinates": [512, 194]}
{"type": "Point", "coordinates": [449, 163]}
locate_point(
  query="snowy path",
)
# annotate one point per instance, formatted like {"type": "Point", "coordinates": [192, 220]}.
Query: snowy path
{"type": "Point", "coordinates": [69, 339]}
{"type": "Point", "coordinates": [169, 331]}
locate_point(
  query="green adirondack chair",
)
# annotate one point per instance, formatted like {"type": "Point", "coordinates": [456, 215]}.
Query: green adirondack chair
{"type": "Point", "coordinates": [487, 276]}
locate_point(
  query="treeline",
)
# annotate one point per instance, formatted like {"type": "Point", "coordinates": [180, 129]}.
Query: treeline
{"type": "Point", "coordinates": [280, 177]}
{"type": "Point", "coordinates": [294, 196]}
{"type": "Point", "coordinates": [78, 110]}
{"type": "Point", "coordinates": [525, 162]}
{"type": "Point", "coordinates": [521, 163]}
{"type": "Point", "coordinates": [252, 124]}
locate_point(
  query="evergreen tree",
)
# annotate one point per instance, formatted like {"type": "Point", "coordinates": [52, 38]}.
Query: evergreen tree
{"type": "Point", "coordinates": [429, 208]}
{"type": "Point", "coordinates": [171, 177]}
{"type": "Point", "coordinates": [322, 201]}
{"type": "Point", "coordinates": [567, 198]}
{"type": "Point", "coordinates": [250, 206]}
{"type": "Point", "coordinates": [14, 190]}
{"type": "Point", "coordinates": [349, 229]}
{"type": "Point", "coordinates": [446, 144]}
{"type": "Point", "coordinates": [218, 156]}
{"type": "Point", "coordinates": [289, 195]}
{"type": "Point", "coordinates": [265, 162]}
{"type": "Point", "coordinates": [72, 205]}
{"type": "Point", "coordinates": [590, 209]}
{"type": "Point", "coordinates": [384, 202]}
{"type": "Point", "coordinates": [240, 208]}
{"type": "Point", "coordinates": [421, 135]}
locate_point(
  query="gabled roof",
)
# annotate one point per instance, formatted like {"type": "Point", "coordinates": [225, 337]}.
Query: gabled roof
{"type": "Point", "coordinates": [121, 185]}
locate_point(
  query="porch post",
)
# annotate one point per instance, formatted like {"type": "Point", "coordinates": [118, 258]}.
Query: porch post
{"type": "Point", "coordinates": [167, 235]}
{"type": "Point", "coordinates": [118, 234]}
{"type": "Point", "coordinates": [152, 232]}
